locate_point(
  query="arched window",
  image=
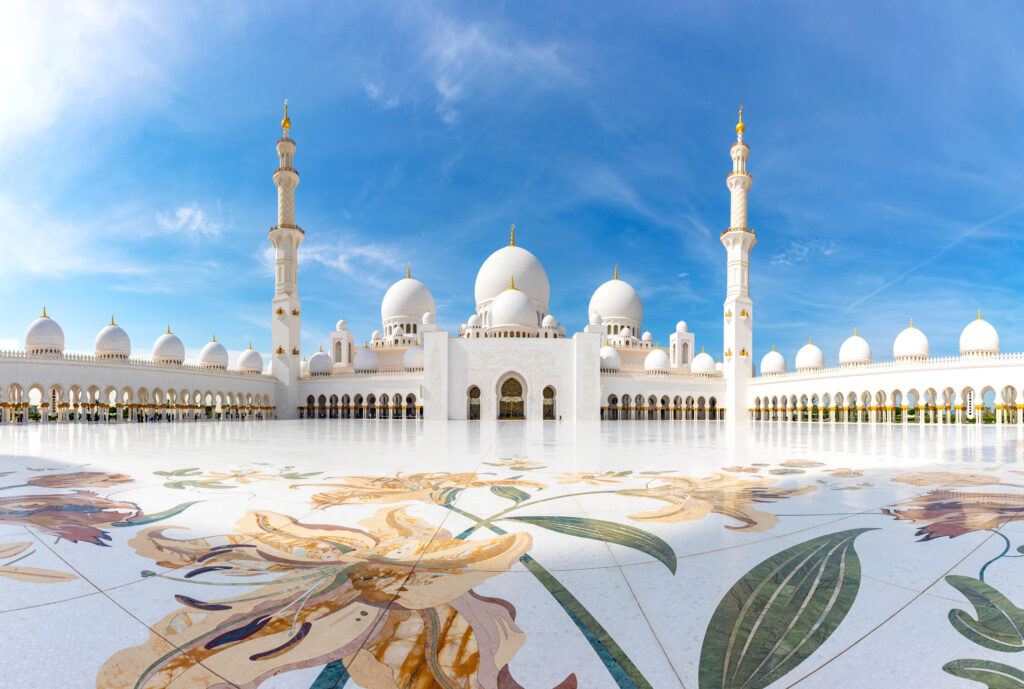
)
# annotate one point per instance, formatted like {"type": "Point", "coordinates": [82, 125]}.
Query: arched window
{"type": "Point", "coordinates": [511, 405]}
{"type": "Point", "coordinates": [549, 403]}
{"type": "Point", "coordinates": [473, 403]}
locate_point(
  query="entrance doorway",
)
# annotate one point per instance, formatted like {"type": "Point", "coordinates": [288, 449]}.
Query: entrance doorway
{"type": "Point", "coordinates": [511, 405]}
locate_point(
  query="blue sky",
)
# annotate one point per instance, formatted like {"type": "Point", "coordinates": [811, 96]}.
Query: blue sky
{"type": "Point", "coordinates": [137, 144]}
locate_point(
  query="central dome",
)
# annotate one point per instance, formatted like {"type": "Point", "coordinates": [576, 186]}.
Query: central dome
{"type": "Point", "coordinates": [506, 263]}
{"type": "Point", "coordinates": [407, 298]}
{"type": "Point", "coordinates": [617, 299]}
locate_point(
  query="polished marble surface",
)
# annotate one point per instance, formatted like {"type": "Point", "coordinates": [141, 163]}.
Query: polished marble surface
{"type": "Point", "coordinates": [394, 554]}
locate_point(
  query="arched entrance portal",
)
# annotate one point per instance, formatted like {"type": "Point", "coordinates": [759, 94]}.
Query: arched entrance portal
{"type": "Point", "coordinates": [510, 404]}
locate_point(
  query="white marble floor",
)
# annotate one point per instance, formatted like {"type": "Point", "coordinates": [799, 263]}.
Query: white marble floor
{"type": "Point", "coordinates": [401, 554]}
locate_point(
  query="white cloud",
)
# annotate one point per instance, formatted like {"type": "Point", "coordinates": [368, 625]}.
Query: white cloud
{"type": "Point", "coordinates": [375, 92]}
{"type": "Point", "coordinates": [797, 252]}
{"type": "Point", "coordinates": [191, 219]}
{"type": "Point", "coordinates": [82, 57]}
{"type": "Point", "coordinates": [365, 261]}
{"type": "Point", "coordinates": [465, 55]}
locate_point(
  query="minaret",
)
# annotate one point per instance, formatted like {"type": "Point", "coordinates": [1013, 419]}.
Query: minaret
{"type": "Point", "coordinates": [738, 239]}
{"type": "Point", "coordinates": [286, 237]}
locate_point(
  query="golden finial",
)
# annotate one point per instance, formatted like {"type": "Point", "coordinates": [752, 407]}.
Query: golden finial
{"type": "Point", "coordinates": [214, 338]}
{"type": "Point", "coordinates": [512, 241]}
{"type": "Point", "coordinates": [44, 313]}
{"type": "Point", "coordinates": [979, 314]}
{"type": "Point", "coordinates": [911, 322]}
{"type": "Point", "coordinates": [808, 340]}
{"type": "Point", "coordinates": [250, 344]}
{"type": "Point", "coordinates": [512, 281]}
{"type": "Point", "coordinates": [408, 271]}
{"type": "Point", "coordinates": [616, 275]}
{"type": "Point", "coordinates": [855, 331]}
{"type": "Point", "coordinates": [773, 348]}
{"type": "Point", "coordinates": [168, 328]}
{"type": "Point", "coordinates": [701, 350]}
{"type": "Point", "coordinates": [286, 124]}
{"type": "Point", "coordinates": [321, 348]}
{"type": "Point", "coordinates": [739, 125]}
{"type": "Point", "coordinates": [112, 320]}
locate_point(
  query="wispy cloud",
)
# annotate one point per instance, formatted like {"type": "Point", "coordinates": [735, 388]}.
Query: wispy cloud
{"type": "Point", "coordinates": [190, 219]}
{"type": "Point", "coordinates": [800, 251]}
{"type": "Point", "coordinates": [376, 92]}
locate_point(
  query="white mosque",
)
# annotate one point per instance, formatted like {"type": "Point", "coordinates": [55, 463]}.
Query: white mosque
{"type": "Point", "coordinates": [511, 359]}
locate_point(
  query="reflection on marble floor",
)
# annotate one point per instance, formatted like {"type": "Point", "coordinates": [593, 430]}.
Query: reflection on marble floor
{"type": "Point", "coordinates": [402, 554]}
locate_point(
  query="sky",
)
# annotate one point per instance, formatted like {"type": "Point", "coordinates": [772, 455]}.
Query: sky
{"type": "Point", "coordinates": [137, 148]}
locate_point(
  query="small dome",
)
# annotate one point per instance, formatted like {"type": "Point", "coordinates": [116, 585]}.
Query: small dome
{"type": "Point", "coordinates": [626, 332]}
{"type": "Point", "coordinates": [549, 321]}
{"type": "Point", "coordinates": [617, 299]}
{"type": "Point", "coordinates": [910, 345]}
{"type": "Point", "coordinates": [304, 366]}
{"type": "Point", "coordinates": [703, 365]}
{"type": "Point", "coordinates": [168, 349]}
{"type": "Point", "coordinates": [375, 335]}
{"type": "Point", "coordinates": [213, 355]}
{"type": "Point", "coordinates": [412, 360]}
{"type": "Point", "coordinates": [979, 337]}
{"type": "Point", "coordinates": [810, 358]}
{"type": "Point", "coordinates": [657, 362]}
{"type": "Point", "coordinates": [474, 321]}
{"type": "Point", "coordinates": [408, 298]}
{"type": "Point", "coordinates": [681, 327]}
{"type": "Point", "coordinates": [44, 336]}
{"type": "Point", "coordinates": [342, 326]}
{"type": "Point", "coordinates": [428, 318]}
{"type": "Point", "coordinates": [855, 351]}
{"type": "Point", "coordinates": [513, 308]}
{"type": "Point", "coordinates": [112, 343]}
{"type": "Point", "coordinates": [508, 261]}
{"type": "Point", "coordinates": [610, 359]}
{"type": "Point", "coordinates": [320, 364]}
{"type": "Point", "coordinates": [250, 361]}
{"type": "Point", "coordinates": [647, 336]}
{"type": "Point", "coordinates": [365, 360]}
{"type": "Point", "coordinates": [595, 318]}
{"type": "Point", "coordinates": [773, 363]}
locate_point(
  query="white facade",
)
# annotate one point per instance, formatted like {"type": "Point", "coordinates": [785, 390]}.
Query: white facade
{"type": "Point", "coordinates": [511, 358]}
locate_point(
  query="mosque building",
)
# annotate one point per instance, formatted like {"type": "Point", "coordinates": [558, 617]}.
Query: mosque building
{"type": "Point", "coordinates": [510, 359]}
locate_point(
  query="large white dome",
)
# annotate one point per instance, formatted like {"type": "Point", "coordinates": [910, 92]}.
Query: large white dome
{"type": "Point", "coordinates": [320, 364]}
{"type": "Point", "coordinates": [44, 336]}
{"type": "Point", "coordinates": [250, 361]}
{"type": "Point", "coordinates": [513, 308]}
{"type": "Point", "coordinates": [854, 351]}
{"type": "Point", "coordinates": [657, 362]}
{"type": "Point", "coordinates": [773, 363]}
{"type": "Point", "coordinates": [979, 337]}
{"type": "Point", "coordinates": [703, 365]}
{"type": "Point", "coordinates": [810, 358]}
{"type": "Point", "coordinates": [610, 359]}
{"type": "Point", "coordinates": [112, 343]}
{"type": "Point", "coordinates": [408, 298]}
{"type": "Point", "coordinates": [213, 355]}
{"type": "Point", "coordinates": [617, 299]}
{"type": "Point", "coordinates": [365, 360]}
{"type": "Point", "coordinates": [910, 345]}
{"type": "Point", "coordinates": [507, 262]}
{"type": "Point", "coordinates": [412, 360]}
{"type": "Point", "coordinates": [169, 349]}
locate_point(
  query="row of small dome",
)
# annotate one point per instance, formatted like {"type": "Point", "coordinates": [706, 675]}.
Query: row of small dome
{"type": "Point", "coordinates": [978, 338]}
{"type": "Point", "coordinates": [657, 362]}
{"type": "Point", "coordinates": [45, 337]}
{"type": "Point", "coordinates": [365, 360]}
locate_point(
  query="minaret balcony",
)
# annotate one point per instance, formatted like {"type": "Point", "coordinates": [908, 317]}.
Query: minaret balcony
{"type": "Point", "coordinates": [286, 226]}
{"type": "Point", "coordinates": [737, 229]}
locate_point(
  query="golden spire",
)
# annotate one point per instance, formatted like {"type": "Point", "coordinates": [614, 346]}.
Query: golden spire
{"type": "Point", "coordinates": [701, 350]}
{"type": "Point", "coordinates": [616, 275]}
{"type": "Point", "coordinates": [773, 348]}
{"type": "Point", "coordinates": [44, 313]}
{"type": "Point", "coordinates": [979, 314]}
{"type": "Point", "coordinates": [321, 348]}
{"type": "Point", "coordinates": [112, 320]}
{"type": "Point", "coordinates": [512, 281]}
{"type": "Point", "coordinates": [739, 125]}
{"type": "Point", "coordinates": [512, 241]}
{"type": "Point", "coordinates": [250, 344]}
{"type": "Point", "coordinates": [408, 270]}
{"type": "Point", "coordinates": [911, 322]}
{"type": "Point", "coordinates": [855, 331]}
{"type": "Point", "coordinates": [286, 124]}
{"type": "Point", "coordinates": [214, 338]}
{"type": "Point", "coordinates": [809, 340]}
{"type": "Point", "coordinates": [168, 328]}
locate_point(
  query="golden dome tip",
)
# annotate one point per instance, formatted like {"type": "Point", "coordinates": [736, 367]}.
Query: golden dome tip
{"type": "Point", "coordinates": [740, 128]}
{"type": "Point", "coordinates": [286, 123]}
{"type": "Point", "coordinates": [512, 239]}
